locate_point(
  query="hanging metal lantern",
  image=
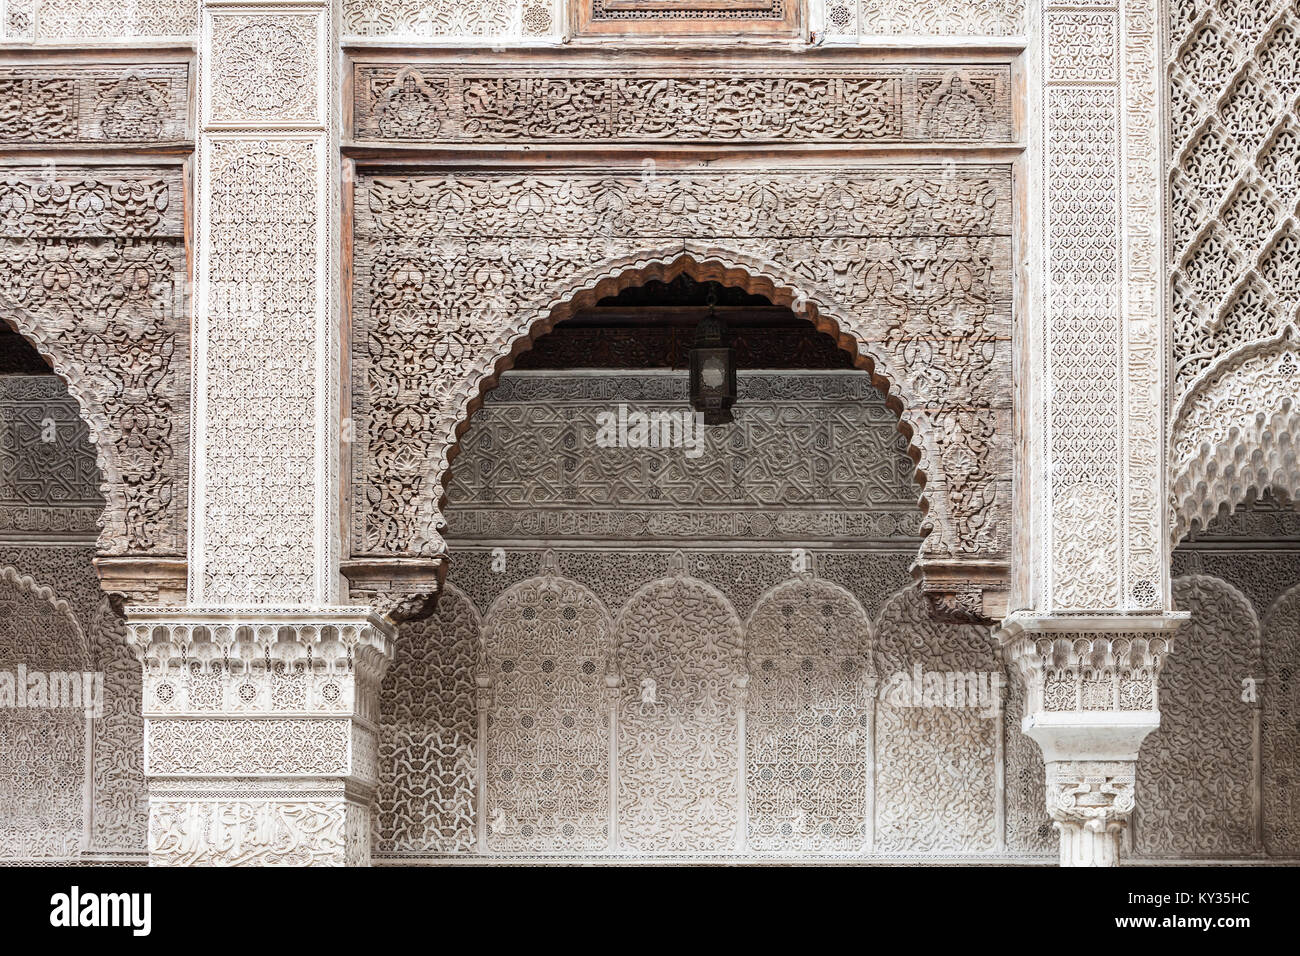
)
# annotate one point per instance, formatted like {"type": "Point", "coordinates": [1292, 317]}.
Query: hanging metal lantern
{"type": "Point", "coordinates": [713, 370]}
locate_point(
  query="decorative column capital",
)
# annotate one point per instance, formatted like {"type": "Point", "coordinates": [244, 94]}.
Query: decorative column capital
{"type": "Point", "coordinates": [1091, 698]}
{"type": "Point", "coordinates": [1090, 803]}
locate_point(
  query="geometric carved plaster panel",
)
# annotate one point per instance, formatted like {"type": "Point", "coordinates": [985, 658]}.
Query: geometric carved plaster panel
{"type": "Point", "coordinates": [439, 103]}
{"type": "Point", "coordinates": [73, 21]}
{"type": "Point", "coordinates": [92, 267]}
{"type": "Point", "coordinates": [48, 479]}
{"type": "Point", "coordinates": [911, 267]}
{"type": "Point", "coordinates": [94, 104]}
{"type": "Point", "coordinates": [801, 439]}
{"type": "Point", "coordinates": [849, 20]}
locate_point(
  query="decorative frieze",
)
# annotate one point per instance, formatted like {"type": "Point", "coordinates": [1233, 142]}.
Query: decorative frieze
{"type": "Point", "coordinates": [851, 20]}
{"type": "Point", "coordinates": [95, 21]}
{"type": "Point", "coordinates": [64, 105]}
{"type": "Point", "coordinates": [438, 103]}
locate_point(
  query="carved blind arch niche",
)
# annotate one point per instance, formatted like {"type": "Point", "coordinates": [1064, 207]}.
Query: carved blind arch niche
{"type": "Point", "coordinates": [810, 720]}
{"type": "Point", "coordinates": [45, 751]}
{"type": "Point", "coordinates": [682, 668]}
{"type": "Point", "coordinates": [547, 734]}
{"type": "Point", "coordinates": [909, 268]}
{"type": "Point", "coordinates": [1198, 772]}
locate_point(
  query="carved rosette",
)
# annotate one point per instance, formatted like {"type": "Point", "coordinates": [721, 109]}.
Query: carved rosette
{"type": "Point", "coordinates": [260, 733]}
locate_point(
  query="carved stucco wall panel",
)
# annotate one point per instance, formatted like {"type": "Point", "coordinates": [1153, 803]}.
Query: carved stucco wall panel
{"type": "Point", "coordinates": [850, 20]}
{"type": "Point", "coordinates": [1234, 194]}
{"type": "Point", "coordinates": [452, 20]}
{"type": "Point", "coordinates": [95, 21]}
{"type": "Point", "coordinates": [918, 287]}
{"type": "Point", "coordinates": [1197, 775]}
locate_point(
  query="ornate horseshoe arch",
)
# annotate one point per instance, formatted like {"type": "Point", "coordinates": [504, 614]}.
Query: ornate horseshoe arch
{"type": "Point", "coordinates": [457, 276]}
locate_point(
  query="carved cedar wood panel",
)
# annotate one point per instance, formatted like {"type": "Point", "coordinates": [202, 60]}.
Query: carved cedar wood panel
{"type": "Point", "coordinates": [94, 104]}
{"type": "Point", "coordinates": [911, 265]}
{"type": "Point", "coordinates": [439, 103]}
{"type": "Point", "coordinates": [92, 270]}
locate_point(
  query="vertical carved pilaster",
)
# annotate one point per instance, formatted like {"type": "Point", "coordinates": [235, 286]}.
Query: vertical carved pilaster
{"type": "Point", "coordinates": [261, 695]}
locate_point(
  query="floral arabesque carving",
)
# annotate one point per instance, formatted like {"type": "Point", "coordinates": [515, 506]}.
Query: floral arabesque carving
{"type": "Point", "coordinates": [92, 269]}
{"type": "Point", "coordinates": [1279, 730]}
{"type": "Point", "coordinates": [456, 276]}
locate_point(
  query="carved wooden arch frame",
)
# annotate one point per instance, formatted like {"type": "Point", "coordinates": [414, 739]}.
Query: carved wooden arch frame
{"type": "Point", "coordinates": [1226, 450]}
{"type": "Point", "coordinates": [113, 522]}
{"type": "Point", "coordinates": [405, 587]}
{"type": "Point", "coordinates": [124, 576]}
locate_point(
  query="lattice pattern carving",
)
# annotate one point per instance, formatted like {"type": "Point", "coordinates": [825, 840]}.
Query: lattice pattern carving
{"type": "Point", "coordinates": [428, 734]}
{"type": "Point", "coordinates": [682, 667]}
{"type": "Point", "coordinates": [1235, 137]}
{"type": "Point", "coordinates": [1196, 774]}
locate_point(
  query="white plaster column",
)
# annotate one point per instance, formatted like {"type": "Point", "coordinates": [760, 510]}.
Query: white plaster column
{"type": "Point", "coordinates": [1092, 602]}
{"type": "Point", "coordinates": [260, 694]}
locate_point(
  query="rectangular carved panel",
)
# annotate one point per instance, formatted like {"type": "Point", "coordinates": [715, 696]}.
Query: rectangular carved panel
{"type": "Point", "coordinates": [94, 104]}
{"type": "Point", "coordinates": [429, 102]}
{"type": "Point", "coordinates": [657, 17]}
